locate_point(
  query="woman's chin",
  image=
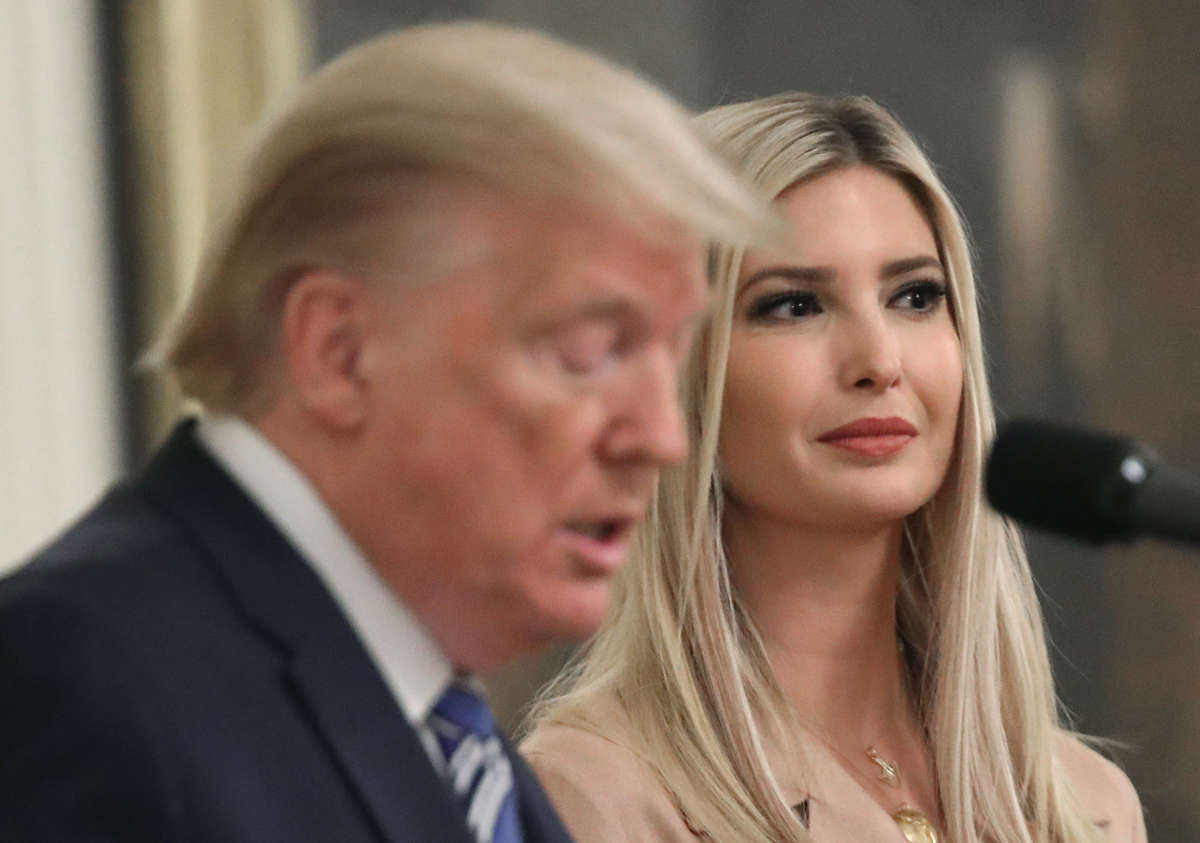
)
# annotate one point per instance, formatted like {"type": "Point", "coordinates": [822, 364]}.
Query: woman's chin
{"type": "Point", "coordinates": [870, 515]}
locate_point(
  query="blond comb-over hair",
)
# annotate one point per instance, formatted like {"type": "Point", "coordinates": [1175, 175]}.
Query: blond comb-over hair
{"type": "Point", "coordinates": [342, 170]}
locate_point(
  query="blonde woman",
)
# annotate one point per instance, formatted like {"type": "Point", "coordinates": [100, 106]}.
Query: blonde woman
{"type": "Point", "coordinates": [825, 634]}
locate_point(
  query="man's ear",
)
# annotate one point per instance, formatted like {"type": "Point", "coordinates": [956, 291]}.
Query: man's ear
{"type": "Point", "coordinates": [326, 321]}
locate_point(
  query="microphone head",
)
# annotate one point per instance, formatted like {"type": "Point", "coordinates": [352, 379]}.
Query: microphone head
{"type": "Point", "coordinates": [1065, 480]}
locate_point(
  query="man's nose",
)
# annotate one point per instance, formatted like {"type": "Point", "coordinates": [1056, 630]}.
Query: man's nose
{"type": "Point", "coordinates": [648, 423]}
{"type": "Point", "coordinates": [871, 358]}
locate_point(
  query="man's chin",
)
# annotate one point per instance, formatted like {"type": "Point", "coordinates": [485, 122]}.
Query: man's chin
{"type": "Point", "coordinates": [572, 616]}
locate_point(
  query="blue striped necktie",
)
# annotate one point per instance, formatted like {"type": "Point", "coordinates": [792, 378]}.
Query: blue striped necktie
{"type": "Point", "coordinates": [476, 766]}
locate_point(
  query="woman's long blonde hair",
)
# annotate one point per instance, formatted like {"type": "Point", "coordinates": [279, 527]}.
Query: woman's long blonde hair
{"type": "Point", "coordinates": [683, 657]}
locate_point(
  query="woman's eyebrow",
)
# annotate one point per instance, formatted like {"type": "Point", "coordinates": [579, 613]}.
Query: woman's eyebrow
{"type": "Point", "coordinates": [899, 267]}
{"type": "Point", "coordinates": [807, 274]}
{"type": "Point", "coordinates": [824, 274]}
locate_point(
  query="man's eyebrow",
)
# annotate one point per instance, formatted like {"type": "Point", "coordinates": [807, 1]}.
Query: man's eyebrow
{"type": "Point", "coordinates": [600, 309]}
{"type": "Point", "coordinates": [807, 274]}
{"type": "Point", "coordinates": [899, 267]}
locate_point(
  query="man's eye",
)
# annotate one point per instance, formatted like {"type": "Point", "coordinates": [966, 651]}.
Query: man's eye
{"type": "Point", "coordinates": [786, 306]}
{"type": "Point", "coordinates": [584, 349]}
{"type": "Point", "coordinates": [921, 296]}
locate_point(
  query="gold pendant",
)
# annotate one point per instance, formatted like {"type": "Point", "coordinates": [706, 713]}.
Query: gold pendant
{"type": "Point", "coordinates": [915, 826]}
{"type": "Point", "coordinates": [889, 772]}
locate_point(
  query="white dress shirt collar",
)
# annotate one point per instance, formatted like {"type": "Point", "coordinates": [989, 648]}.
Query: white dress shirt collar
{"type": "Point", "coordinates": [413, 666]}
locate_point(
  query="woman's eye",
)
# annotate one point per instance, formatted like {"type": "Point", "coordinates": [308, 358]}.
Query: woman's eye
{"type": "Point", "coordinates": [785, 306]}
{"type": "Point", "coordinates": [921, 296]}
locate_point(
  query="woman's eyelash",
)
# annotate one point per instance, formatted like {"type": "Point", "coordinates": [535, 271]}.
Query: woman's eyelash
{"type": "Point", "coordinates": [920, 296]}
{"type": "Point", "coordinates": [924, 295]}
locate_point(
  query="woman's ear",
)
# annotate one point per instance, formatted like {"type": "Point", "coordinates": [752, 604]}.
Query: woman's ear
{"type": "Point", "coordinates": [326, 321]}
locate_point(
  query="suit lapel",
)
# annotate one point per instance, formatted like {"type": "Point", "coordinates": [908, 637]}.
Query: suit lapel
{"type": "Point", "coordinates": [330, 672]}
{"type": "Point", "coordinates": [376, 747]}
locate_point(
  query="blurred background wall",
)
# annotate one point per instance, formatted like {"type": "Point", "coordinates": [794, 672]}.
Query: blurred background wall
{"type": "Point", "coordinates": [1068, 131]}
{"type": "Point", "coordinates": [59, 397]}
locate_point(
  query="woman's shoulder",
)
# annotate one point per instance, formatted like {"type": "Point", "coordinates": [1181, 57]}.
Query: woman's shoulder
{"type": "Point", "coordinates": [1103, 790]}
{"type": "Point", "coordinates": [577, 754]}
{"type": "Point", "coordinates": [602, 789]}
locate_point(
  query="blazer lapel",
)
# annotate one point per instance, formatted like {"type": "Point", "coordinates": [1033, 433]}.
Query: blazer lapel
{"type": "Point", "coordinates": [840, 810]}
{"type": "Point", "coordinates": [329, 670]}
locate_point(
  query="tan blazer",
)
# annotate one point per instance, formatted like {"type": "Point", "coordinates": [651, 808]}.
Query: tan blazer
{"type": "Point", "coordinates": [607, 794]}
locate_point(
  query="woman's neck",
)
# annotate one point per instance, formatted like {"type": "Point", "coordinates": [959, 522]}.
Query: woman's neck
{"type": "Point", "coordinates": [824, 602]}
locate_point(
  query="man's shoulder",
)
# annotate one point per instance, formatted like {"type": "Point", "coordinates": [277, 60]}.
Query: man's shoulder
{"type": "Point", "coordinates": [115, 552]}
{"type": "Point", "coordinates": [122, 647]}
{"type": "Point", "coordinates": [127, 573]}
{"type": "Point", "coordinates": [143, 538]}
{"type": "Point", "coordinates": [121, 586]}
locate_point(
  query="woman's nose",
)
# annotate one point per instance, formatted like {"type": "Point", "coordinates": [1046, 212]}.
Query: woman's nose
{"type": "Point", "coordinates": [871, 357]}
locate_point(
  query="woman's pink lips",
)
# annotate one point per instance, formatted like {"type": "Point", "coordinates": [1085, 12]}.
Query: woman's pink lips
{"type": "Point", "coordinates": [871, 437]}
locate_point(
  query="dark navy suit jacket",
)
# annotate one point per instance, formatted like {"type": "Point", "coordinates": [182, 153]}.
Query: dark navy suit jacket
{"type": "Point", "coordinates": [172, 670]}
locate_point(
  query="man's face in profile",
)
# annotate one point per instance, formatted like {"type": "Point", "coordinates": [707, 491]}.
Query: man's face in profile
{"type": "Point", "coordinates": [532, 399]}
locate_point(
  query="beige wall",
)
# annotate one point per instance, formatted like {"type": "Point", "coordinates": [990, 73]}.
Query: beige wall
{"type": "Point", "coordinates": [59, 441]}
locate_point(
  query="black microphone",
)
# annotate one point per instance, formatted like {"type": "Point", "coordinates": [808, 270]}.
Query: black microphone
{"type": "Point", "coordinates": [1089, 485]}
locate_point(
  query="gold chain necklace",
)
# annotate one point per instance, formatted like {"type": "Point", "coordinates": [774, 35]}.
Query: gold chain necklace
{"type": "Point", "coordinates": [913, 824]}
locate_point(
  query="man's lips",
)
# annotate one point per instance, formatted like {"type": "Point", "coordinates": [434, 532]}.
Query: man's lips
{"type": "Point", "coordinates": [871, 436]}
{"type": "Point", "coordinates": [601, 544]}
